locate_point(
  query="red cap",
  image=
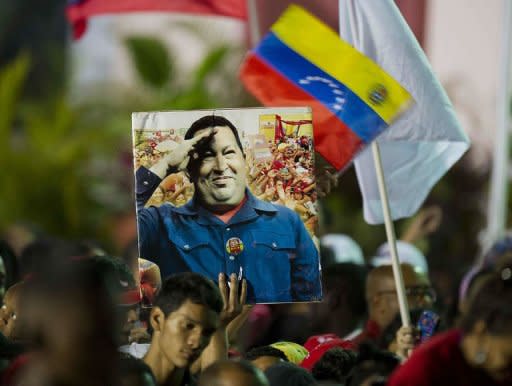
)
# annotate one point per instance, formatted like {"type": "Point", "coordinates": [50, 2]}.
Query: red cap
{"type": "Point", "coordinates": [148, 292]}
{"type": "Point", "coordinates": [316, 340]}
{"type": "Point", "coordinates": [317, 352]}
{"type": "Point", "coordinates": [130, 297]}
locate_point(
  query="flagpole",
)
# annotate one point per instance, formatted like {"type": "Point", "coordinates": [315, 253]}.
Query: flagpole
{"type": "Point", "coordinates": [388, 221]}
{"type": "Point", "coordinates": [254, 27]}
{"type": "Point", "coordinates": [391, 236]}
{"type": "Point", "coordinates": [497, 209]}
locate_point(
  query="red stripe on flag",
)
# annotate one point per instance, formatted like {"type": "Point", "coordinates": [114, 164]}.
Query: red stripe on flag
{"type": "Point", "coordinates": [78, 14]}
{"type": "Point", "coordinates": [333, 139]}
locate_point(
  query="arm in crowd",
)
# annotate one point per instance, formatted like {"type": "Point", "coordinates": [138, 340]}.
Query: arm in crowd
{"type": "Point", "coordinates": [234, 297]}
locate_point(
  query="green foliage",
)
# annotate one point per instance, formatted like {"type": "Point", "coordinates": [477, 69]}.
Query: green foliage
{"type": "Point", "coordinates": [67, 168]}
{"type": "Point", "coordinates": [210, 64]}
{"type": "Point", "coordinates": [11, 83]}
{"type": "Point", "coordinates": [47, 162]}
{"type": "Point", "coordinates": [211, 84]}
{"type": "Point", "coordinates": [151, 60]}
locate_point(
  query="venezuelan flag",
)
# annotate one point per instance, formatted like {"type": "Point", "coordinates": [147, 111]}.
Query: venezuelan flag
{"type": "Point", "coordinates": [303, 62]}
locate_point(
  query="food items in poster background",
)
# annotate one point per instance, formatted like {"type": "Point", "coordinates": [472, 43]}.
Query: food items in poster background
{"type": "Point", "coordinates": [150, 145]}
{"type": "Point", "coordinates": [287, 178]}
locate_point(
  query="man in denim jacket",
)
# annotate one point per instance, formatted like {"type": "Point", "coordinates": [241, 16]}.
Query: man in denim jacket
{"type": "Point", "coordinates": [224, 228]}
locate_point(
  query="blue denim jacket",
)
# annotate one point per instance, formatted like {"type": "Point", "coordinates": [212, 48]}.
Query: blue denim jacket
{"type": "Point", "coordinates": [279, 259]}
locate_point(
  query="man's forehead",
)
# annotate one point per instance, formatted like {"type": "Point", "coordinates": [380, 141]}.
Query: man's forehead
{"type": "Point", "coordinates": [385, 280]}
{"type": "Point", "coordinates": [218, 130]}
{"type": "Point", "coordinates": [196, 313]}
{"type": "Point", "coordinates": [414, 278]}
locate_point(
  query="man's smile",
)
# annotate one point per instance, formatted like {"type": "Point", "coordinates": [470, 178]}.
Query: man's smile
{"type": "Point", "coordinates": [220, 180]}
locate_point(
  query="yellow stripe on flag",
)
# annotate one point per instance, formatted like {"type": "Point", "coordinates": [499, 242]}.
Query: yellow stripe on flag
{"type": "Point", "coordinates": [320, 45]}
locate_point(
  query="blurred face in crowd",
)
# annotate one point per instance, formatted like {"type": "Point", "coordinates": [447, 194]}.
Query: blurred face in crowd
{"type": "Point", "coordinates": [184, 333]}
{"type": "Point", "coordinates": [383, 300]}
{"type": "Point", "coordinates": [9, 312]}
{"type": "Point", "coordinates": [130, 319]}
{"type": "Point", "coordinates": [497, 348]}
{"type": "Point", "coordinates": [80, 337]}
{"type": "Point", "coordinates": [499, 362]}
{"type": "Point", "coordinates": [221, 177]}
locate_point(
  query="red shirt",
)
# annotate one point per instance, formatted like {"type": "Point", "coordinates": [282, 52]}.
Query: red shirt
{"type": "Point", "coordinates": [440, 362]}
{"type": "Point", "coordinates": [370, 333]}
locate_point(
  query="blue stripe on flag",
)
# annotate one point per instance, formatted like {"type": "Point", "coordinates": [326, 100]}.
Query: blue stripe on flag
{"type": "Point", "coordinates": [337, 97]}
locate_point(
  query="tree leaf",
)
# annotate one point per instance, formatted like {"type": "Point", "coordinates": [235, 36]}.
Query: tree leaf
{"type": "Point", "coordinates": [210, 63]}
{"type": "Point", "coordinates": [151, 60]}
{"type": "Point", "coordinates": [11, 81]}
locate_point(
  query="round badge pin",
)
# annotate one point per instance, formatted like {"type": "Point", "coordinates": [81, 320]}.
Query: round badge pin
{"type": "Point", "coordinates": [234, 246]}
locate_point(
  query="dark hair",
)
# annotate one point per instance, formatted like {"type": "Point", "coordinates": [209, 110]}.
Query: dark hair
{"type": "Point", "coordinates": [178, 288]}
{"type": "Point", "coordinates": [479, 275]}
{"type": "Point", "coordinates": [131, 366]}
{"type": "Point", "coordinates": [491, 304]}
{"type": "Point", "coordinates": [84, 275]}
{"type": "Point", "coordinates": [289, 374]}
{"type": "Point", "coordinates": [372, 361]}
{"type": "Point", "coordinates": [347, 279]}
{"type": "Point", "coordinates": [265, 351]}
{"type": "Point", "coordinates": [204, 123]}
{"type": "Point", "coordinates": [334, 365]}
{"type": "Point", "coordinates": [117, 268]}
{"type": "Point", "coordinates": [211, 376]}
{"type": "Point", "coordinates": [212, 121]}
{"type": "Point", "coordinates": [82, 283]}
{"type": "Point", "coordinates": [50, 251]}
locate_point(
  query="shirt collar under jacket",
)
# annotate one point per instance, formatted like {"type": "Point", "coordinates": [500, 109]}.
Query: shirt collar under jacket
{"type": "Point", "coordinates": [247, 211]}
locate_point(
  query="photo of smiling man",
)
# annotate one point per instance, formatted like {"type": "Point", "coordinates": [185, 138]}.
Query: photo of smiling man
{"type": "Point", "coordinates": [223, 227]}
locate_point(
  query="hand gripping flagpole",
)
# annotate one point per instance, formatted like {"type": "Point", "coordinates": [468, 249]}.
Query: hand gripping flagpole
{"type": "Point", "coordinates": [391, 236]}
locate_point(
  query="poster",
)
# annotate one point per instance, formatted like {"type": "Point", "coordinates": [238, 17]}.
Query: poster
{"type": "Point", "coordinates": [230, 191]}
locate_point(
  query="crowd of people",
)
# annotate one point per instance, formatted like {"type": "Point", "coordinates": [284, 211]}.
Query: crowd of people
{"type": "Point", "coordinates": [74, 315]}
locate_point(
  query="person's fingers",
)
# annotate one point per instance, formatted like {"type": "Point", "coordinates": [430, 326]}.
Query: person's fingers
{"type": "Point", "coordinates": [197, 138]}
{"type": "Point", "coordinates": [167, 146]}
{"type": "Point", "coordinates": [203, 140]}
{"type": "Point", "coordinates": [406, 330]}
{"type": "Point", "coordinates": [407, 341]}
{"type": "Point", "coordinates": [407, 335]}
{"type": "Point", "coordinates": [233, 292]}
{"type": "Point", "coordinates": [243, 293]}
{"type": "Point", "coordinates": [184, 163]}
{"type": "Point", "coordinates": [223, 289]}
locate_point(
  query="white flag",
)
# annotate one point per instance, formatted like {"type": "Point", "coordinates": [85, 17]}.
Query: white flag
{"type": "Point", "coordinates": [420, 146]}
